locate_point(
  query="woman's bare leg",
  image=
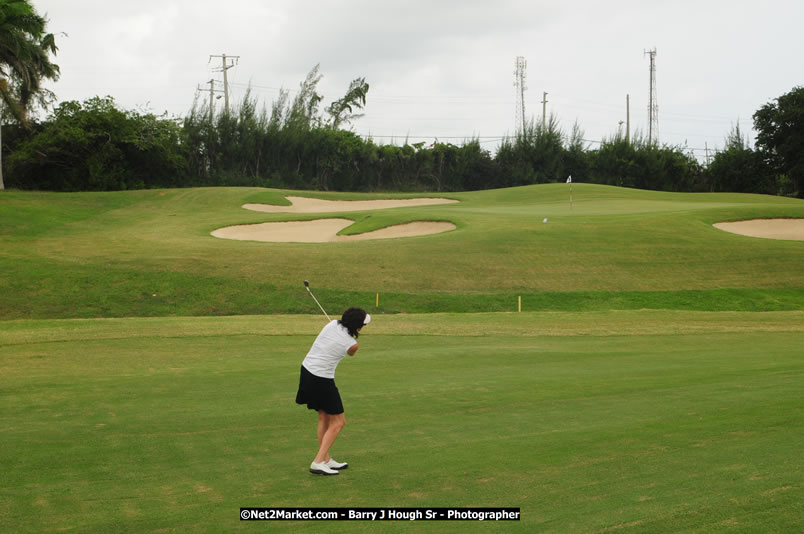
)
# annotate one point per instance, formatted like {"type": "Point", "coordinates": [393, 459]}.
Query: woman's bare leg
{"type": "Point", "coordinates": [331, 426]}
{"type": "Point", "coordinates": [323, 425]}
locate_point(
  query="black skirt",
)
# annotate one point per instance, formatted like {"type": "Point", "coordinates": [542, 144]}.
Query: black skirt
{"type": "Point", "coordinates": [319, 393]}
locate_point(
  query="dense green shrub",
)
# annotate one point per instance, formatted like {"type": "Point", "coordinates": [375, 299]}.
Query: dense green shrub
{"type": "Point", "coordinates": [96, 147]}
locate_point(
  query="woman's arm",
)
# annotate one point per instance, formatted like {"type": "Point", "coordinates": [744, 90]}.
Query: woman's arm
{"type": "Point", "coordinates": [351, 350]}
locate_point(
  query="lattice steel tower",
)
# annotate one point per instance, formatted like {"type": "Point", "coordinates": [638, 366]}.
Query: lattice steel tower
{"type": "Point", "coordinates": [519, 82]}
{"type": "Point", "coordinates": [653, 106]}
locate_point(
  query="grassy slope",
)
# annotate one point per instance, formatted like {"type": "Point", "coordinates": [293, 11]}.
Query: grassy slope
{"type": "Point", "coordinates": [149, 253]}
{"type": "Point", "coordinates": [592, 422]}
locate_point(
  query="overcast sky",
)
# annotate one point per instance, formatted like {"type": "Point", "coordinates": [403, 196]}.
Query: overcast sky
{"type": "Point", "coordinates": [445, 70]}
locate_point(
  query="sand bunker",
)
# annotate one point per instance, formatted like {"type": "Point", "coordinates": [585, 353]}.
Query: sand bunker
{"type": "Point", "coordinates": [326, 230]}
{"type": "Point", "coordinates": [316, 205]}
{"type": "Point", "coordinates": [790, 229]}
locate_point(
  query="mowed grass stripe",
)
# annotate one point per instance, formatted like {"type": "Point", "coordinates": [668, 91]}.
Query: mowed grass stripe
{"type": "Point", "coordinates": [528, 324]}
{"type": "Point", "coordinates": [175, 428]}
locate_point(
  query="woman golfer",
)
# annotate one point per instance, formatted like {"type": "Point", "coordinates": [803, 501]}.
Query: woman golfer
{"type": "Point", "coordinates": [317, 383]}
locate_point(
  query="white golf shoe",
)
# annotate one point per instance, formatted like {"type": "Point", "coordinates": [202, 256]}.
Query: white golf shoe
{"type": "Point", "coordinates": [322, 469]}
{"type": "Point", "coordinates": [336, 465]}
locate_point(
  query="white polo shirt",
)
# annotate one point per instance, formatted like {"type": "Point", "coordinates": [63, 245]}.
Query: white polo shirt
{"type": "Point", "coordinates": [328, 349]}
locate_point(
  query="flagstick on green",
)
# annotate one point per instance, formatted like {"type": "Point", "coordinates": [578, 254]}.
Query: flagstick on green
{"type": "Point", "coordinates": [569, 181]}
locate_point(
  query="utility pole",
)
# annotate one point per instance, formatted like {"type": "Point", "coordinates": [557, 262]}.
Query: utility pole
{"type": "Point", "coordinates": [544, 110]}
{"type": "Point", "coordinates": [520, 75]}
{"type": "Point", "coordinates": [211, 83]}
{"type": "Point", "coordinates": [212, 92]}
{"type": "Point", "coordinates": [627, 119]}
{"type": "Point", "coordinates": [225, 66]}
{"type": "Point", "coordinates": [653, 106]}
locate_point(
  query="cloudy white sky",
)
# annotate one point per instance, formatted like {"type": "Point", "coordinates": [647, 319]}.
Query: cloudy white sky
{"type": "Point", "coordinates": [445, 70]}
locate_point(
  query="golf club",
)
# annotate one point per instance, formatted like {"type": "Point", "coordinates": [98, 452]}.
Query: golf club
{"type": "Point", "coordinates": [307, 285]}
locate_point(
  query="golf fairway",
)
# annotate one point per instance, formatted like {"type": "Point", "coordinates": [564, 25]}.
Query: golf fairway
{"type": "Point", "coordinates": [588, 422]}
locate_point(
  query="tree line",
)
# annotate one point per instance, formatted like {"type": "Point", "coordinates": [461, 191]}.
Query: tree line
{"type": "Point", "coordinates": [94, 146]}
{"type": "Point", "coordinates": [301, 144]}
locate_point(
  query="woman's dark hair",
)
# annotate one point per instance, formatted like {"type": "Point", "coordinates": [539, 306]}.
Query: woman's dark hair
{"type": "Point", "coordinates": [353, 319]}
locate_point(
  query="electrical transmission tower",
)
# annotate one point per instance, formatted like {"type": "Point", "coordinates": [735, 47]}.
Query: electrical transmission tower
{"type": "Point", "coordinates": [519, 82]}
{"type": "Point", "coordinates": [653, 106]}
{"type": "Point", "coordinates": [226, 65]}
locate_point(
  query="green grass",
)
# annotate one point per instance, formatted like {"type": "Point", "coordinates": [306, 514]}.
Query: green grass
{"type": "Point", "coordinates": [627, 421]}
{"type": "Point", "coordinates": [652, 384]}
{"type": "Point", "coordinates": [149, 253]}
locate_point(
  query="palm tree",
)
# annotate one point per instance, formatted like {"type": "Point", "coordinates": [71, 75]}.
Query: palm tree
{"type": "Point", "coordinates": [24, 59]}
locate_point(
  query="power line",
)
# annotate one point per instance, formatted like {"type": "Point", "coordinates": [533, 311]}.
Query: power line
{"type": "Point", "coordinates": [489, 138]}
{"type": "Point", "coordinates": [488, 99]}
{"type": "Point", "coordinates": [493, 100]}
